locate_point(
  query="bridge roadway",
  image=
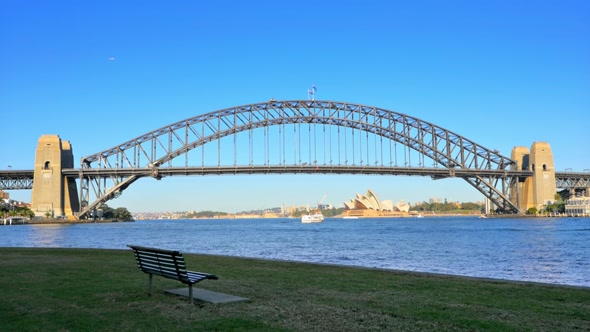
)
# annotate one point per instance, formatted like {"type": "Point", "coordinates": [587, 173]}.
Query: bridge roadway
{"type": "Point", "coordinates": [16, 179]}
{"type": "Point", "coordinates": [23, 179]}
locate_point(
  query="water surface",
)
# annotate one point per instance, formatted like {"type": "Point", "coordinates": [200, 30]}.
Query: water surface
{"type": "Point", "coordinates": [551, 250]}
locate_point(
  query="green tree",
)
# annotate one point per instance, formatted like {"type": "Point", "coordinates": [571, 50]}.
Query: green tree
{"type": "Point", "coordinates": [24, 211]}
{"type": "Point", "coordinates": [332, 212]}
{"type": "Point", "coordinates": [120, 213]}
{"type": "Point", "coordinates": [107, 212]}
{"type": "Point", "coordinates": [471, 206]}
{"type": "Point", "coordinates": [4, 210]}
{"type": "Point", "coordinates": [564, 195]}
{"type": "Point", "coordinates": [123, 214]}
{"type": "Point", "coordinates": [556, 207]}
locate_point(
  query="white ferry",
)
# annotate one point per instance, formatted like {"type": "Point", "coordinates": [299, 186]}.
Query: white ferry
{"type": "Point", "coordinates": [312, 218]}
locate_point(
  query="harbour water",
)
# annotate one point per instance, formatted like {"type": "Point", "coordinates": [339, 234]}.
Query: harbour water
{"type": "Point", "coordinates": [548, 250]}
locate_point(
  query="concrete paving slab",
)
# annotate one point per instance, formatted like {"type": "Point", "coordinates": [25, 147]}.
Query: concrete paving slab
{"type": "Point", "coordinates": [207, 296]}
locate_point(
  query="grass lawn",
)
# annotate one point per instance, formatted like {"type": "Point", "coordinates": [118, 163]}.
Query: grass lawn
{"type": "Point", "coordinates": [102, 290]}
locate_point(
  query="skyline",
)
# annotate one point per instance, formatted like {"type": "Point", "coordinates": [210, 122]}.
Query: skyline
{"type": "Point", "coordinates": [502, 74]}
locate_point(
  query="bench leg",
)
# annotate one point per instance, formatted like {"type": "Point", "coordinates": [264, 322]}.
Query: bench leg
{"type": "Point", "coordinates": [150, 284]}
{"type": "Point", "coordinates": [190, 293]}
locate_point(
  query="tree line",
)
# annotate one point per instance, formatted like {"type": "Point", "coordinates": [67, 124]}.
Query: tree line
{"type": "Point", "coordinates": [448, 207]}
{"type": "Point", "coordinates": [120, 213]}
{"type": "Point", "coordinates": [10, 211]}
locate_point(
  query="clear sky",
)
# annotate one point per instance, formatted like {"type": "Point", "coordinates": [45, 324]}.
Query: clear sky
{"type": "Point", "coordinates": [98, 73]}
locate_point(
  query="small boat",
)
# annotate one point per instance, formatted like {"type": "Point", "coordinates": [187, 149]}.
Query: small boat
{"type": "Point", "coordinates": [350, 217]}
{"type": "Point", "coordinates": [483, 216]}
{"type": "Point", "coordinates": [312, 218]}
{"type": "Point", "coordinates": [419, 216]}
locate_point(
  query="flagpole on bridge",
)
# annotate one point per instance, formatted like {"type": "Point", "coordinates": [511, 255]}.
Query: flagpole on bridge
{"type": "Point", "coordinates": [311, 92]}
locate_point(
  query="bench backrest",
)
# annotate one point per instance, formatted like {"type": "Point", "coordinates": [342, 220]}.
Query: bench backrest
{"type": "Point", "coordinates": [165, 263]}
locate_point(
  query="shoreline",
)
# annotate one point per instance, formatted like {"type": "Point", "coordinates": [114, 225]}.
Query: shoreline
{"type": "Point", "coordinates": [63, 222]}
{"type": "Point", "coordinates": [396, 271]}
{"type": "Point", "coordinates": [295, 262]}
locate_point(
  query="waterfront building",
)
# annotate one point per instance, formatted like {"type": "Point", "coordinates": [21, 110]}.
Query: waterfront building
{"type": "Point", "coordinates": [577, 206]}
{"type": "Point", "coordinates": [368, 201]}
{"type": "Point", "coordinates": [369, 204]}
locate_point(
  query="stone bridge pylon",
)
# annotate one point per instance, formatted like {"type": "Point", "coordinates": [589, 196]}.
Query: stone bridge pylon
{"type": "Point", "coordinates": [54, 194]}
{"type": "Point", "coordinates": [538, 190]}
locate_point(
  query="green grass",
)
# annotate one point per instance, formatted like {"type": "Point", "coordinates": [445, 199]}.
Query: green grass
{"type": "Point", "coordinates": [102, 290]}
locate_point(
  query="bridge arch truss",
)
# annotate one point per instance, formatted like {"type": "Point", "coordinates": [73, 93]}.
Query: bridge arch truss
{"type": "Point", "coordinates": [299, 136]}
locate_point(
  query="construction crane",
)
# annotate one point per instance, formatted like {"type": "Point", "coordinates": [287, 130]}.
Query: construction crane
{"type": "Point", "coordinates": [321, 201]}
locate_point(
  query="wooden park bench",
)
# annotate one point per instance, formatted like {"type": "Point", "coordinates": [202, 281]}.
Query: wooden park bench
{"type": "Point", "coordinates": [168, 264]}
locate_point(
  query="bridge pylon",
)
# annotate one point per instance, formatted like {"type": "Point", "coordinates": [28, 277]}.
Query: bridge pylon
{"type": "Point", "coordinates": [539, 190]}
{"type": "Point", "coordinates": [53, 193]}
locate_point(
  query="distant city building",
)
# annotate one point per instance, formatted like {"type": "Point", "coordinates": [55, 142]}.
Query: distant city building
{"type": "Point", "coordinates": [4, 195]}
{"type": "Point", "coordinates": [434, 200]}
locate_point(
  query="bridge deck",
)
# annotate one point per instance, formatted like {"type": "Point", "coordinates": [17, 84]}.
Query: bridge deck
{"type": "Point", "coordinates": [23, 179]}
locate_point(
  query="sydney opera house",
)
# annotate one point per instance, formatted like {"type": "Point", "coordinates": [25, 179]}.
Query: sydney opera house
{"type": "Point", "coordinates": [369, 205]}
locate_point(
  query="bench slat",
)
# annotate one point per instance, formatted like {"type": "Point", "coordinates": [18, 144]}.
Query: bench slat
{"type": "Point", "coordinates": [158, 257]}
{"type": "Point", "coordinates": [171, 261]}
{"type": "Point", "coordinates": [156, 269]}
{"type": "Point", "coordinates": [164, 263]}
{"type": "Point", "coordinates": [162, 266]}
{"type": "Point", "coordinates": [154, 250]}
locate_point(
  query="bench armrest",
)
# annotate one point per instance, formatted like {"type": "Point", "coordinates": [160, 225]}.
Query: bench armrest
{"type": "Point", "coordinates": [204, 275]}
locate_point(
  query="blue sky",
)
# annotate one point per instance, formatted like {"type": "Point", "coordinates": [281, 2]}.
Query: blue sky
{"type": "Point", "coordinates": [501, 73]}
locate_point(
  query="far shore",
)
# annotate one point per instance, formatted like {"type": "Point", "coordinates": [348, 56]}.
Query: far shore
{"type": "Point", "coordinates": [345, 217]}
{"type": "Point", "coordinates": [65, 221]}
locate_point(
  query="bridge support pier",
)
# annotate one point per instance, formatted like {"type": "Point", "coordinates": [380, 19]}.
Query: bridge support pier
{"type": "Point", "coordinates": [53, 193]}
{"type": "Point", "coordinates": [539, 190]}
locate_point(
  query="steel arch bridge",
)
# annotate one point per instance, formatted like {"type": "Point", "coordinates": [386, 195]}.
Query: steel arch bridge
{"type": "Point", "coordinates": [297, 136]}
